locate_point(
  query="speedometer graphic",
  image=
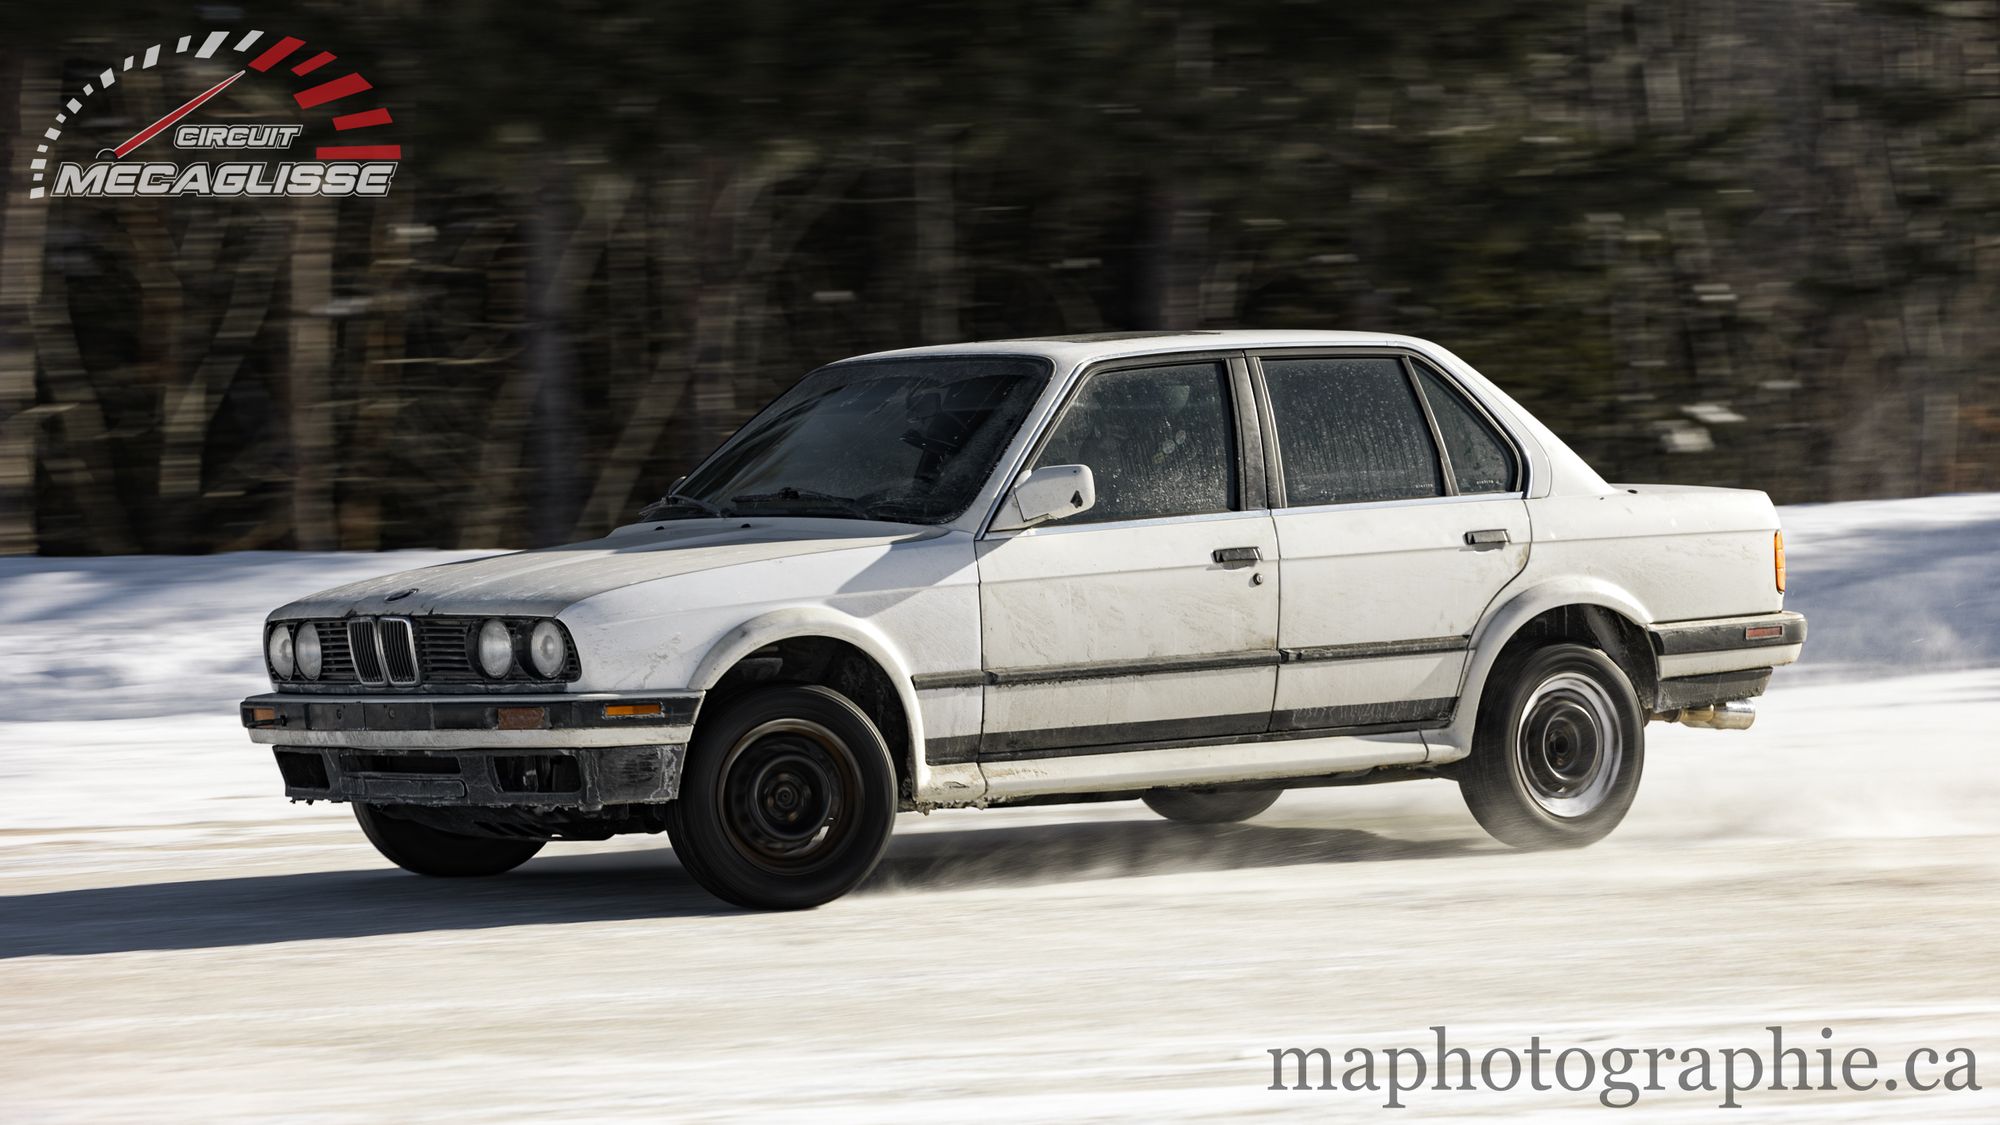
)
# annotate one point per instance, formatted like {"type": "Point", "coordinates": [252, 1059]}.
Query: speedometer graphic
{"type": "Point", "coordinates": [265, 101]}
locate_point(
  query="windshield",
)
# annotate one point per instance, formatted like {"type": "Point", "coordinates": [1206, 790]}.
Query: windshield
{"type": "Point", "coordinates": [903, 440]}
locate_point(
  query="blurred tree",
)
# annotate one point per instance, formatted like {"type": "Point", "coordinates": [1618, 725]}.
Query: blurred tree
{"type": "Point", "coordinates": [22, 233]}
{"type": "Point", "coordinates": [1708, 241]}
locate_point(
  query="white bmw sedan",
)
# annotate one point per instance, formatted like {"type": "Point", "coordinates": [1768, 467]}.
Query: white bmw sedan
{"type": "Point", "coordinates": [1191, 569]}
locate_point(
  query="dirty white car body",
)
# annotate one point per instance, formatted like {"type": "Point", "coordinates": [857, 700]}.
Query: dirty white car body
{"type": "Point", "coordinates": [1270, 642]}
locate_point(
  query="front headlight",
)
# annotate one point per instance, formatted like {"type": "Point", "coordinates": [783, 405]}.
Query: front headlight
{"type": "Point", "coordinates": [305, 645]}
{"type": "Point", "coordinates": [496, 649]}
{"type": "Point", "coordinates": [278, 647]}
{"type": "Point", "coordinates": [548, 650]}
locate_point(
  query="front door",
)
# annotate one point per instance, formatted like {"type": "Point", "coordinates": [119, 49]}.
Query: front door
{"type": "Point", "coordinates": [1403, 517]}
{"type": "Point", "coordinates": [1153, 616]}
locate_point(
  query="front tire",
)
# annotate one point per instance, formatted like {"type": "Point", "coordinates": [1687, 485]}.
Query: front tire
{"type": "Point", "coordinates": [433, 851]}
{"type": "Point", "coordinates": [1557, 751]}
{"type": "Point", "coordinates": [1194, 807]}
{"type": "Point", "coordinates": [787, 800]}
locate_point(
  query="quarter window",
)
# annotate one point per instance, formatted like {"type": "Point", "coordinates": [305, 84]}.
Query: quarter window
{"type": "Point", "coordinates": [1158, 441]}
{"type": "Point", "coordinates": [1350, 431]}
{"type": "Point", "coordinates": [1480, 458]}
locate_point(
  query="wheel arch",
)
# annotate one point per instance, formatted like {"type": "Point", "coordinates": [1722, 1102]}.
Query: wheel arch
{"type": "Point", "coordinates": [1586, 611]}
{"type": "Point", "coordinates": [816, 645]}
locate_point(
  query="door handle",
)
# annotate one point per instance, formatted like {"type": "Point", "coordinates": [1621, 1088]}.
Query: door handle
{"type": "Point", "coordinates": [1237, 556]}
{"type": "Point", "coordinates": [1489, 537]}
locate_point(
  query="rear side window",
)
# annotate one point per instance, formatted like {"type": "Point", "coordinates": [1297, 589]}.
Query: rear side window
{"type": "Point", "coordinates": [1480, 458]}
{"type": "Point", "coordinates": [1350, 431]}
{"type": "Point", "coordinates": [1158, 440]}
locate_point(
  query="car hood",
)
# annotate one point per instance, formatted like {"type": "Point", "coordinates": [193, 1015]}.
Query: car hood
{"type": "Point", "coordinates": [546, 581]}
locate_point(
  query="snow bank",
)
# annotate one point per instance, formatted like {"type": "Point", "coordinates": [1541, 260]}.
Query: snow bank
{"type": "Point", "coordinates": [142, 635]}
{"type": "Point", "coordinates": [1895, 585]}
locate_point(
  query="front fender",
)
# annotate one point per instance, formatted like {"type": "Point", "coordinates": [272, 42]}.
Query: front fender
{"type": "Point", "coordinates": [819, 621]}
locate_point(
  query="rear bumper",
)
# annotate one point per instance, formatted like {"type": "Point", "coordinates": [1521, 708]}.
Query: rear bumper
{"type": "Point", "coordinates": [585, 779]}
{"type": "Point", "coordinates": [1704, 664]}
{"type": "Point", "coordinates": [1688, 693]}
{"type": "Point", "coordinates": [1727, 644]}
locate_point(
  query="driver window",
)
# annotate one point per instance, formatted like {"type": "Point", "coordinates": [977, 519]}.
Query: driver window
{"type": "Point", "coordinates": [1158, 440]}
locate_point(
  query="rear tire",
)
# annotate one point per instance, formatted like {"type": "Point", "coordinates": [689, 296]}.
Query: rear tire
{"type": "Point", "coordinates": [1191, 806]}
{"type": "Point", "coordinates": [787, 800]}
{"type": "Point", "coordinates": [1557, 751]}
{"type": "Point", "coordinates": [433, 851]}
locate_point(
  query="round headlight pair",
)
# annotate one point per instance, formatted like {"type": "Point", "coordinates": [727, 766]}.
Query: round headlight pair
{"type": "Point", "coordinates": [548, 651]}
{"type": "Point", "coordinates": [294, 653]}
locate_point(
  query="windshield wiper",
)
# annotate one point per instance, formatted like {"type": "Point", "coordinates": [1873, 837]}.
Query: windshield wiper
{"type": "Point", "coordinates": [658, 508]}
{"type": "Point", "coordinates": [901, 509]}
{"type": "Point", "coordinates": [788, 494]}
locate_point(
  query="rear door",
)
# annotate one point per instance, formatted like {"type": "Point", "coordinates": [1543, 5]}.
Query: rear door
{"type": "Point", "coordinates": [1400, 511]}
{"type": "Point", "coordinates": [1154, 615]}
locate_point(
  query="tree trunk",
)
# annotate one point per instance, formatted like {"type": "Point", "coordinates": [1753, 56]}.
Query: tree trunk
{"type": "Point", "coordinates": [376, 383]}
{"type": "Point", "coordinates": [21, 241]}
{"type": "Point", "coordinates": [660, 394]}
{"type": "Point", "coordinates": [936, 274]}
{"type": "Point", "coordinates": [82, 461]}
{"type": "Point", "coordinates": [190, 406]}
{"type": "Point", "coordinates": [552, 444]}
{"type": "Point", "coordinates": [712, 333]}
{"type": "Point", "coordinates": [509, 424]}
{"type": "Point", "coordinates": [726, 214]}
{"type": "Point", "coordinates": [1176, 252]}
{"type": "Point", "coordinates": [1175, 258]}
{"type": "Point", "coordinates": [311, 377]}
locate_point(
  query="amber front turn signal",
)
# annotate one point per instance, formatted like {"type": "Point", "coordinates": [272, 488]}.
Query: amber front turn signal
{"type": "Point", "coordinates": [634, 710]}
{"type": "Point", "coordinates": [1778, 557]}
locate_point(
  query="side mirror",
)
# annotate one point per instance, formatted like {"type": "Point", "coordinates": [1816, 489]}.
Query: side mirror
{"type": "Point", "coordinates": [1049, 492]}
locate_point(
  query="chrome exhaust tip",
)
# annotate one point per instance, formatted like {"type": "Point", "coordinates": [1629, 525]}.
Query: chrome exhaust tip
{"type": "Point", "coordinates": [1737, 714]}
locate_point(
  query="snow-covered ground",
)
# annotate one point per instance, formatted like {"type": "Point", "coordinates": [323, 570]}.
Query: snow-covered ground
{"type": "Point", "coordinates": [176, 941]}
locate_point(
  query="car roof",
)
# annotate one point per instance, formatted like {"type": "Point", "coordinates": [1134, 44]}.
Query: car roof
{"type": "Point", "coordinates": [1091, 347]}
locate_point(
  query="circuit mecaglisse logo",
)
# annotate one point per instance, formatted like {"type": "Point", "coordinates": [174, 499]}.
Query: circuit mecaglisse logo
{"type": "Point", "coordinates": [293, 98]}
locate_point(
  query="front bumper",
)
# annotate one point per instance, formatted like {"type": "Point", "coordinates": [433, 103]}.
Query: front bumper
{"type": "Point", "coordinates": [584, 779]}
{"type": "Point", "coordinates": [467, 722]}
{"type": "Point", "coordinates": [574, 751]}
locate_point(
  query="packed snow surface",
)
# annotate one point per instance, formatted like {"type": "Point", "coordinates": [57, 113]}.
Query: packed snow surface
{"type": "Point", "coordinates": [176, 941]}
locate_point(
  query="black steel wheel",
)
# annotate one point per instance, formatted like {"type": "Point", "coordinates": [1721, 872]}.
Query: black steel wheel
{"type": "Point", "coordinates": [1558, 749]}
{"type": "Point", "coordinates": [415, 846]}
{"type": "Point", "coordinates": [787, 799]}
